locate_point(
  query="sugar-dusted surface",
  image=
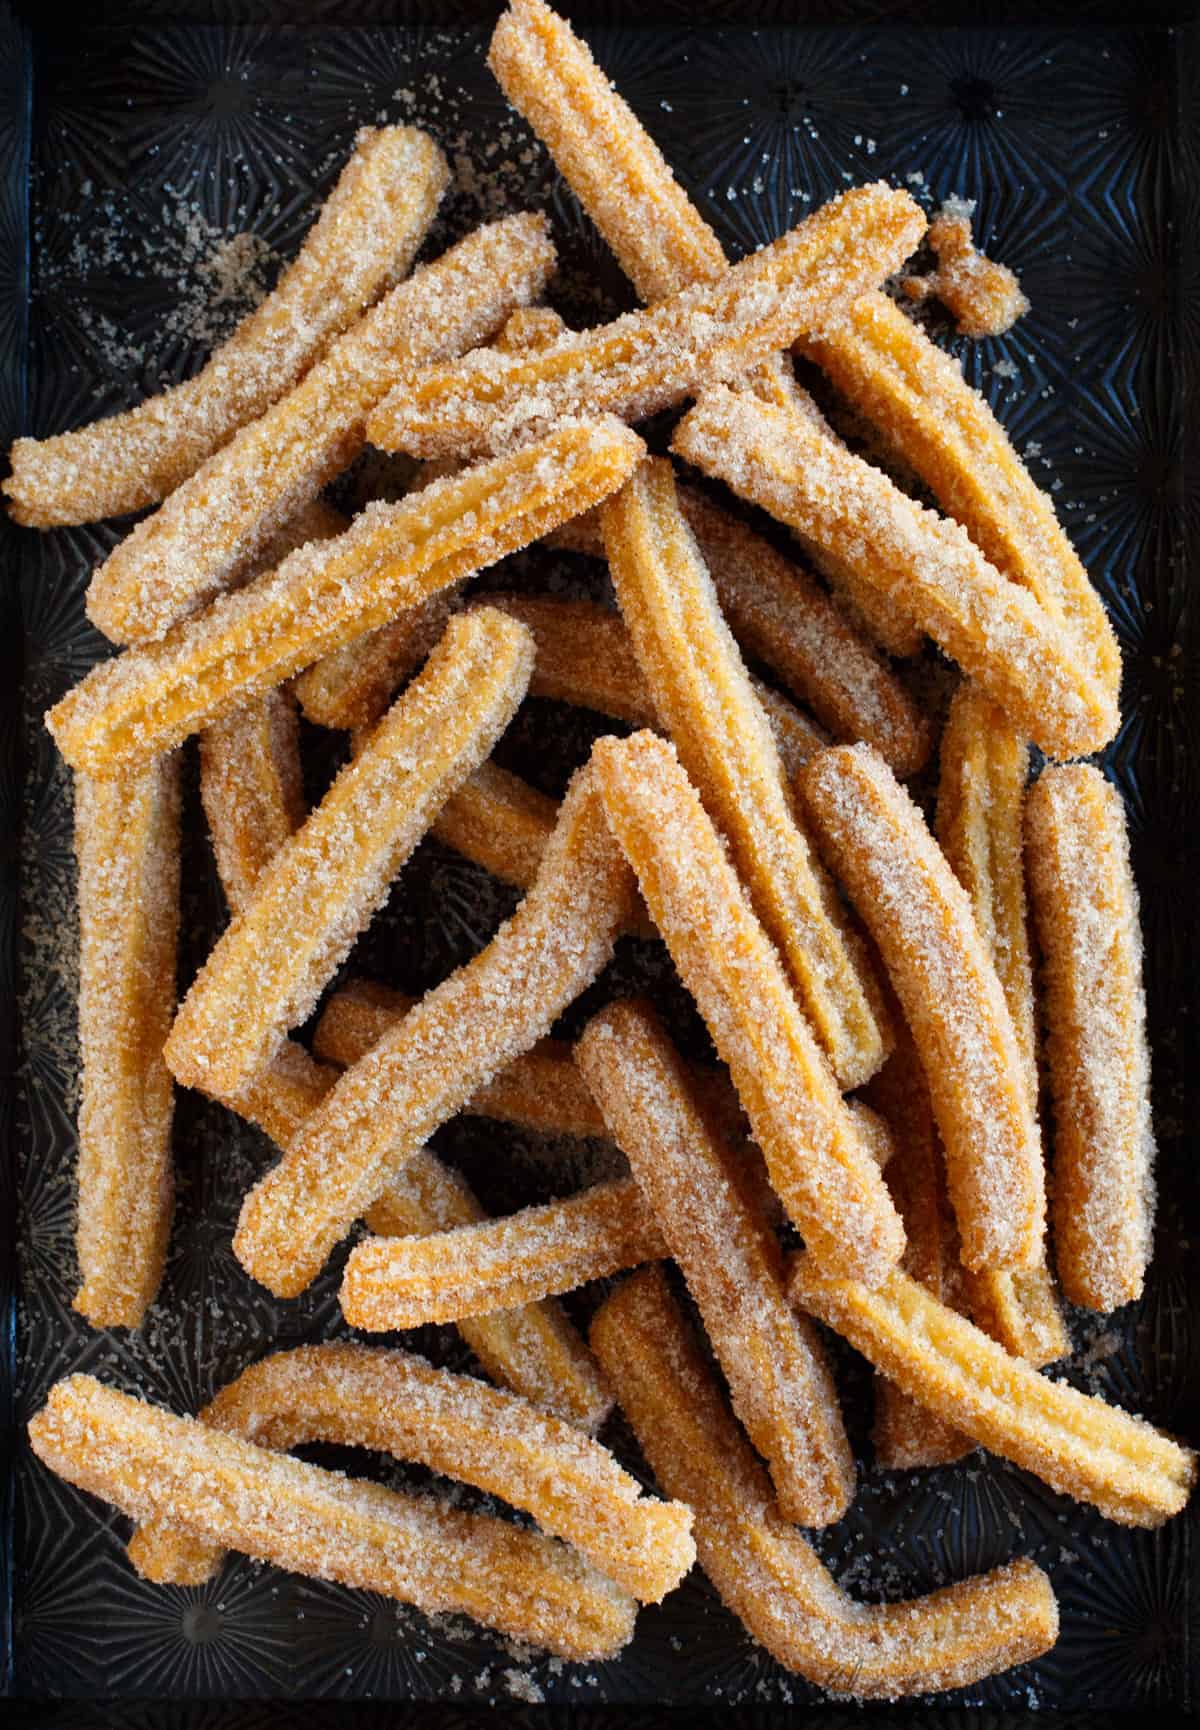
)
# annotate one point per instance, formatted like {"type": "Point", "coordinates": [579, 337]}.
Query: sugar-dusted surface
{"type": "Point", "coordinates": [647, 361]}
{"type": "Point", "coordinates": [761, 1566]}
{"type": "Point", "coordinates": [127, 849]}
{"type": "Point", "coordinates": [252, 789]}
{"type": "Point", "coordinates": [1086, 906]}
{"type": "Point", "coordinates": [313, 1521]}
{"type": "Point", "coordinates": [352, 687]}
{"type": "Point", "coordinates": [392, 557]}
{"type": "Point", "coordinates": [326, 881]}
{"type": "Point", "coordinates": [475, 1269]}
{"type": "Point", "coordinates": [921, 920]}
{"type": "Point", "coordinates": [500, 821]}
{"type": "Point", "coordinates": [994, 629]}
{"type": "Point", "coordinates": [985, 297]}
{"type": "Point", "coordinates": [364, 240]}
{"type": "Point", "coordinates": [722, 1239]}
{"type": "Point", "coordinates": [829, 1185]}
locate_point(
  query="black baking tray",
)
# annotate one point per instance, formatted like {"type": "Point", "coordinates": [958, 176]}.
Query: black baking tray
{"type": "Point", "coordinates": [134, 142]}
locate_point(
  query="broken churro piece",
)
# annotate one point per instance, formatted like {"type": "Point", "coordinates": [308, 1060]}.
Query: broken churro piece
{"type": "Point", "coordinates": [984, 297]}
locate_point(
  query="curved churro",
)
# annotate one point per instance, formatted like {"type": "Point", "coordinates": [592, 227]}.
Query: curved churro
{"type": "Point", "coordinates": [985, 297]}
{"type": "Point", "coordinates": [645, 361]}
{"type": "Point", "coordinates": [391, 558]}
{"type": "Point", "coordinates": [1016, 651]}
{"type": "Point", "coordinates": [210, 527]}
{"type": "Point", "coordinates": [536, 1253]}
{"type": "Point", "coordinates": [779, 1382]}
{"type": "Point", "coordinates": [325, 882]}
{"type": "Point", "coordinates": [917, 397]}
{"type": "Point", "coordinates": [983, 770]}
{"type": "Point", "coordinates": [127, 848]}
{"type": "Point", "coordinates": [398, 1404]}
{"type": "Point", "coordinates": [152, 1464]}
{"type": "Point", "coordinates": [702, 692]}
{"type": "Point", "coordinates": [762, 1568]}
{"type": "Point", "coordinates": [364, 240]}
{"type": "Point", "coordinates": [252, 789]}
{"type": "Point", "coordinates": [1086, 905]}
{"type": "Point", "coordinates": [1074, 1442]}
{"type": "Point", "coordinates": [922, 923]}
{"type": "Point", "coordinates": [819, 1166]}
{"type": "Point", "coordinates": [486, 1013]}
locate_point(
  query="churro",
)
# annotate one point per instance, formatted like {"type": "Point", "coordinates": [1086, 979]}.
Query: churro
{"type": "Point", "coordinates": [1086, 908]}
{"type": "Point", "coordinates": [921, 921]}
{"type": "Point", "coordinates": [645, 361]}
{"type": "Point", "coordinates": [983, 769]}
{"type": "Point", "coordinates": [1074, 1442]}
{"type": "Point", "coordinates": [284, 1094]}
{"type": "Point", "coordinates": [917, 398]}
{"type": "Point", "coordinates": [762, 1568]}
{"type": "Point", "coordinates": [830, 1186]}
{"type": "Point", "coordinates": [779, 1382]}
{"type": "Point", "coordinates": [227, 1491]}
{"type": "Point", "coordinates": [997, 632]}
{"type": "Point", "coordinates": [364, 241]}
{"type": "Point", "coordinates": [500, 822]}
{"type": "Point", "coordinates": [536, 1253]}
{"type": "Point", "coordinates": [398, 1404]}
{"type": "Point", "coordinates": [486, 1013]}
{"type": "Point", "coordinates": [985, 297]}
{"type": "Point", "coordinates": [391, 558]}
{"type": "Point", "coordinates": [702, 692]}
{"type": "Point", "coordinates": [252, 789]}
{"type": "Point", "coordinates": [193, 545]}
{"type": "Point", "coordinates": [352, 687]}
{"type": "Point", "coordinates": [267, 971]}
{"type": "Point", "coordinates": [127, 848]}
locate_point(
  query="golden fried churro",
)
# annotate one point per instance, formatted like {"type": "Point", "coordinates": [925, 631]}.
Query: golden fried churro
{"type": "Point", "coordinates": [191, 548]}
{"type": "Point", "coordinates": [474, 1269]}
{"type": "Point", "coordinates": [1074, 1442]}
{"type": "Point", "coordinates": [1086, 906]}
{"type": "Point", "coordinates": [152, 1464]}
{"type": "Point", "coordinates": [283, 1095]}
{"type": "Point", "coordinates": [541, 1089]}
{"type": "Point", "coordinates": [826, 1178]}
{"type": "Point", "coordinates": [398, 1404]}
{"type": "Point", "coordinates": [778, 1378]}
{"type": "Point", "coordinates": [500, 822]}
{"type": "Point", "coordinates": [916, 396]}
{"type": "Point", "coordinates": [702, 692]}
{"type": "Point", "coordinates": [985, 297]}
{"type": "Point", "coordinates": [762, 1568]}
{"type": "Point", "coordinates": [252, 790]}
{"type": "Point", "coordinates": [364, 240]}
{"type": "Point", "coordinates": [647, 361]}
{"type": "Point", "coordinates": [486, 1013]}
{"type": "Point", "coordinates": [353, 686]}
{"type": "Point", "coordinates": [267, 971]}
{"type": "Point", "coordinates": [921, 920]}
{"type": "Point", "coordinates": [996, 631]}
{"type": "Point", "coordinates": [980, 817]}
{"type": "Point", "coordinates": [391, 558]}
{"type": "Point", "coordinates": [127, 848]}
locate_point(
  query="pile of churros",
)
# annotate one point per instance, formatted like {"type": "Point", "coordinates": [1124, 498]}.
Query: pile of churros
{"type": "Point", "coordinates": [908, 1009]}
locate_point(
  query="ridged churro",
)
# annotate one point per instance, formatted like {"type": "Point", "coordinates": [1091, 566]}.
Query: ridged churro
{"type": "Point", "coordinates": [327, 880]}
{"type": "Point", "coordinates": [826, 1178]}
{"type": "Point", "coordinates": [645, 361]}
{"type": "Point", "coordinates": [983, 770]}
{"type": "Point", "coordinates": [703, 694]}
{"type": "Point", "coordinates": [1074, 1442]}
{"type": "Point", "coordinates": [917, 397]}
{"type": "Point", "coordinates": [364, 240]}
{"type": "Point", "coordinates": [1086, 908]}
{"type": "Point", "coordinates": [762, 1568]}
{"type": "Point", "coordinates": [921, 920]}
{"type": "Point", "coordinates": [152, 1464]}
{"type": "Point", "coordinates": [127, 848]}
{"type": "Point", "coordinates": [398, 1404]}
{"type": "Point", "coordinates": [178, 559]}
{"type": "Point", "coordinates": [779, 1382]}
{"type": "Point", "coordinates": [391, 558]}
{"type": "Point", "coordinates": [985, 297]}
{"type": "Point", "coordinates": [252, 789]}
{"type": "Point", "coordinates": [536, 1253]}
{"type": "Point", "coordinates": [472, 1024]}
{"type": "Point", "coordinates": [997, 632]}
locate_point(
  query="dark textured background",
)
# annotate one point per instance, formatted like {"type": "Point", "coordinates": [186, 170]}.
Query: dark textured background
{"type": "Point", "coordinates": [1078, 146]}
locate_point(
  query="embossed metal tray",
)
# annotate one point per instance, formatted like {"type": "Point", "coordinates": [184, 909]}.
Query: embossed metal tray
{"type": "Point", "coordinates": [134, 148]}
